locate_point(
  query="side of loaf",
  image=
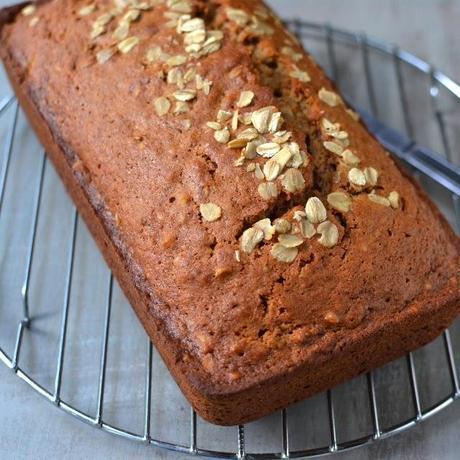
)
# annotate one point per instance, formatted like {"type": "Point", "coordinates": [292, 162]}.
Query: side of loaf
{"type": "Point", "coordinates": [269, 245]}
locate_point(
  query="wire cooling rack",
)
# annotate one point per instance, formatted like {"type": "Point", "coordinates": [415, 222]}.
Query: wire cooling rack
{"type": "Point", "coordinates": [66, 329]}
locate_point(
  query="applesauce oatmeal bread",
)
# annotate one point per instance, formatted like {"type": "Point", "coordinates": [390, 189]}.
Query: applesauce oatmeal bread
{"type": "Point", "coordinates": [269, 245]}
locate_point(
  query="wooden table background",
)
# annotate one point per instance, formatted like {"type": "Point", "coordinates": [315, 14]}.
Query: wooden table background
{"type": "Point", "coordinates": [31, 428]}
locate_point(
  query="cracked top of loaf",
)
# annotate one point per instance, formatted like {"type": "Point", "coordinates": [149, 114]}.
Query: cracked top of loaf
{"type": "Point", "coordinates": [263, 220]}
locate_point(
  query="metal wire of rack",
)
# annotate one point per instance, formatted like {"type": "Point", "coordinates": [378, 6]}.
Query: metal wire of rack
{"type": "Point", "coordinates": [25, 327]}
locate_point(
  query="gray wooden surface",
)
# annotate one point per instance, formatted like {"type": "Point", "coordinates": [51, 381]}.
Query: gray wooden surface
{"type": "Point", "coordinates": [31, 428]}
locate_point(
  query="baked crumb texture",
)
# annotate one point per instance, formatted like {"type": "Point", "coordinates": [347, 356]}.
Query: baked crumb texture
{"type": "Point", "coordinates": [269, 245]}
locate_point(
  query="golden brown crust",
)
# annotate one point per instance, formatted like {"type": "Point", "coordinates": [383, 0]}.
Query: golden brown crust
{"type": "Point", "coordinates": [241, 339]}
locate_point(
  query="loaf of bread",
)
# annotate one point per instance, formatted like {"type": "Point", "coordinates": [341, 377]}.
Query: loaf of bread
{"type": "Point", "coordinates": [269, 245]}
